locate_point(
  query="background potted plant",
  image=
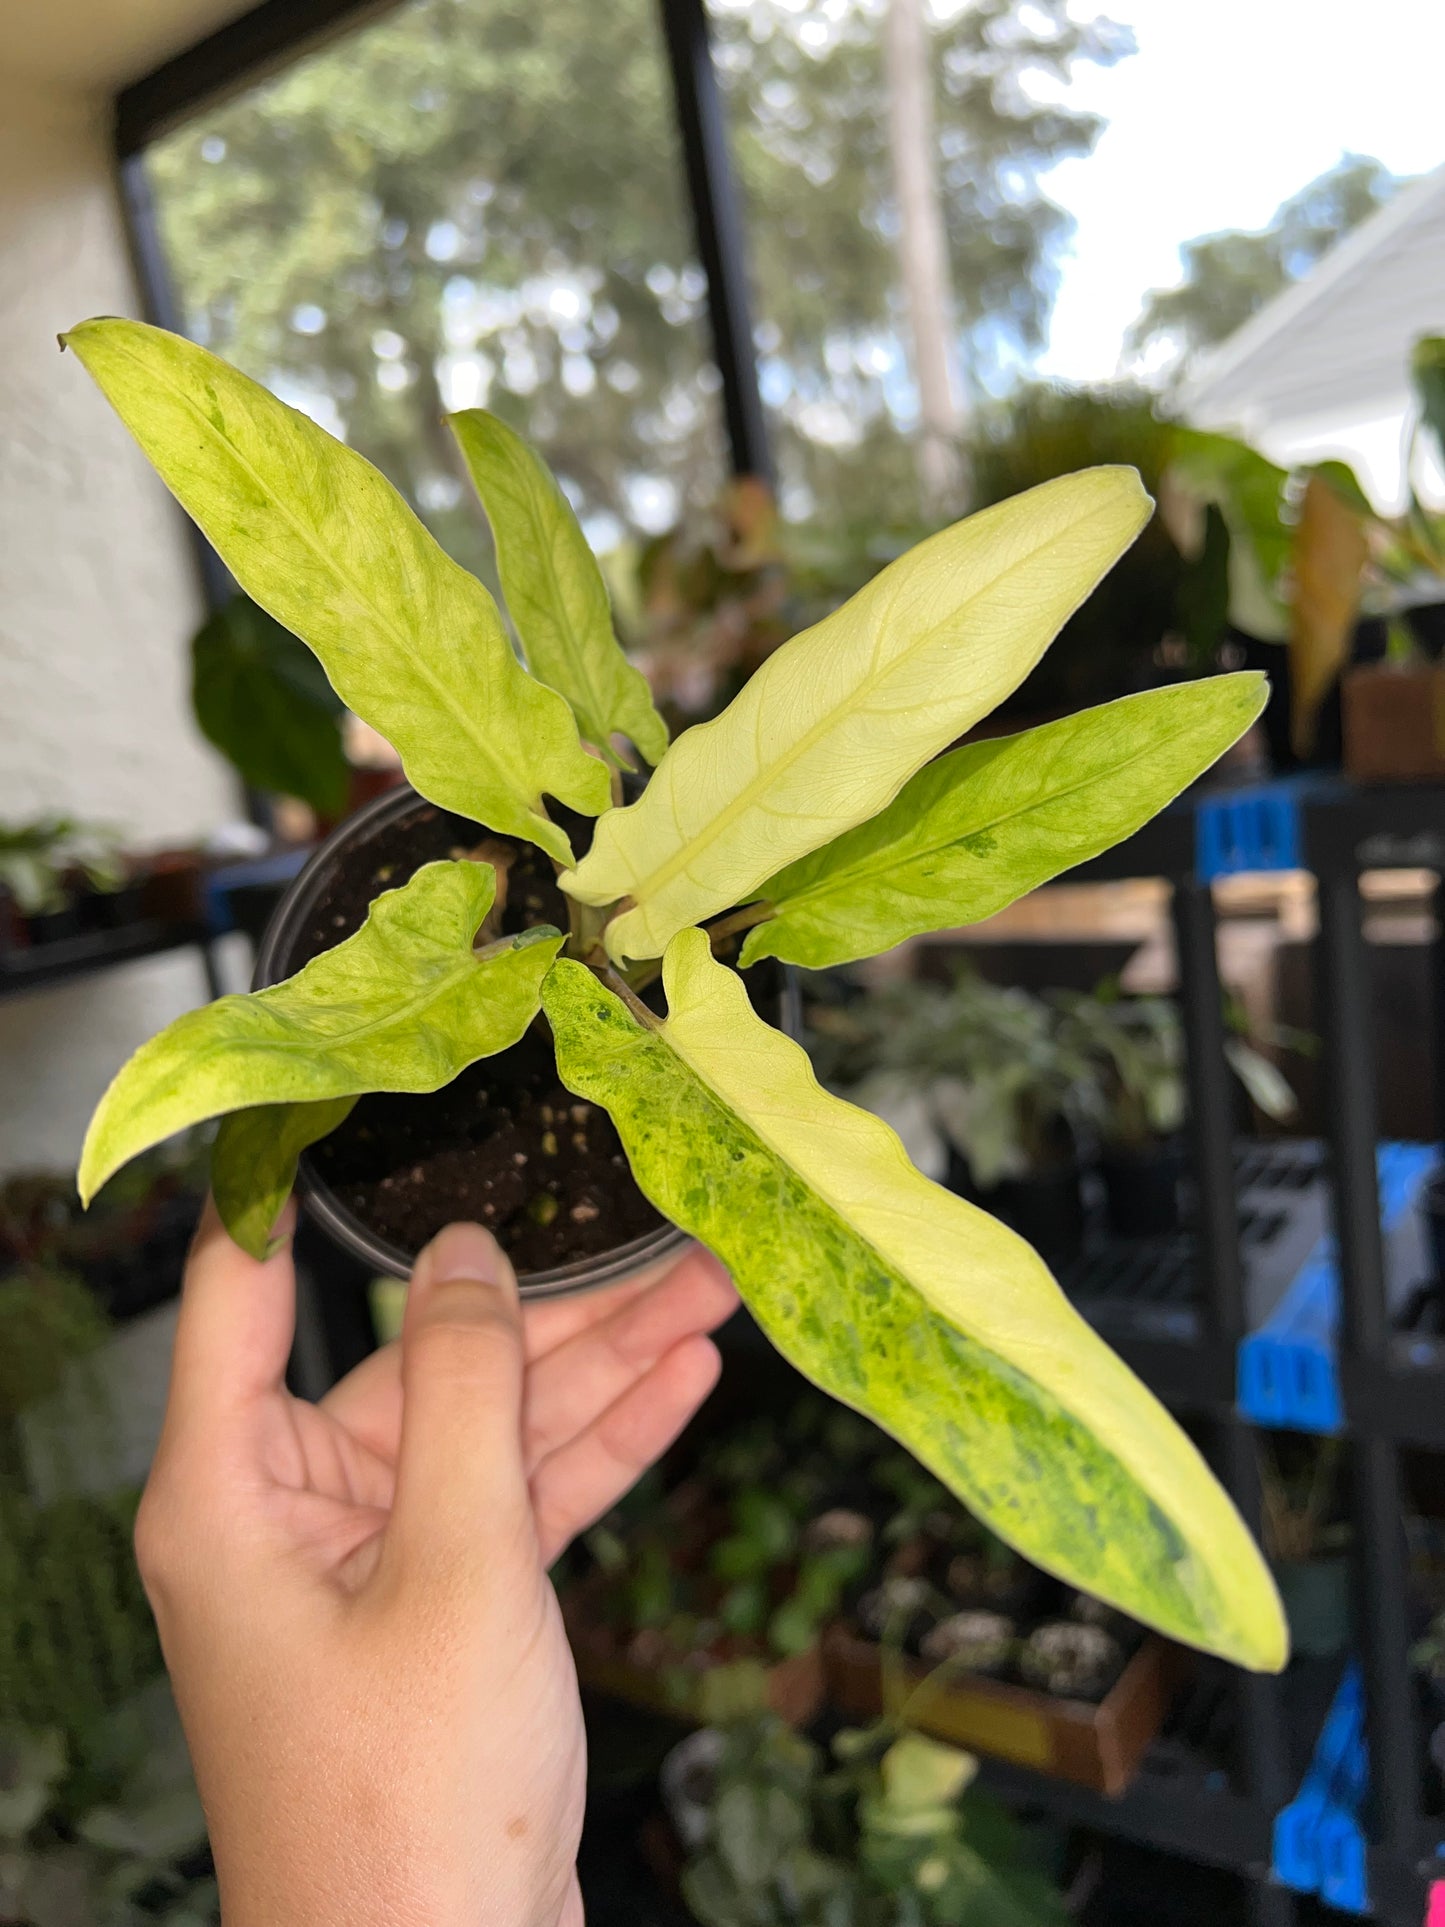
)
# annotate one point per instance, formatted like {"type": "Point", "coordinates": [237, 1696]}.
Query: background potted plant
{"type": "Point", "coordinates": [1135, 1046]}
{"type": "Point", "coordinates": [746, 1559]}
{"type": "Point", "coordinates": [109, 1833]}
{"type": "Point", "coordinates": [811, 815]}
{"type": "Point", "coordinates": [984, 1086]}
{"type": "Point", "coordinates": [883, 1825]}
{"type": "Point", "coordinates": [1307, 1540]}
{"type": "Point", "coordinates": [60, 875]}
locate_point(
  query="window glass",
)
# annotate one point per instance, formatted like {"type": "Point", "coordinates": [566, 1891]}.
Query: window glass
{"type": "Point", "coordinates": [1121, 187]}
{"type": "Point", "coordinates": [822, 123]}
{"type": "Point", "coordinates": [469, 202]}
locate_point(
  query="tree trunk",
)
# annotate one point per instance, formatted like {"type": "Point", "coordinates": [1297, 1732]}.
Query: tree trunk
{"type": "Point", "coordinates": [923, 257]}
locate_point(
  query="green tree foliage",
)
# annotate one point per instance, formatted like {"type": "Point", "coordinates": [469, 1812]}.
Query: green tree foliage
{"type": "Point", "coordinates": [480, 201]}
{"type": "Point", "coordinates": [810, 121]}
{"type": "Point", "coordinates": [1228, 276]}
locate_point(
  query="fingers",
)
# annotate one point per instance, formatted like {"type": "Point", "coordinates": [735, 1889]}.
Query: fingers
{"type": "Point", "coordinates": [552, 1321]}
{"type": "Point", "coordinates": [461, 1490]}
{"type": "Point", "coordinates": [615, 1336]}
{"type": "Point", "coordinates": [368, 1401]}
{"type": "Point", "coordinates": [236, 1323]}
{"type": "Point", "coordinates": [578, 1380]}
{"type": "Point", "coordinates": [588, 1475]}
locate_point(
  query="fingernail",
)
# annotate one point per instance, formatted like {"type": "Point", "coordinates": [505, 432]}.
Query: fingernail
{"type": "Point", "coordinates": [464, 1251]}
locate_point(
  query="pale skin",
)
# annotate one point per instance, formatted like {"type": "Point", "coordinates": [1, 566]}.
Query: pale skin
{"type": "Point", "coordinates": [353, 1598]}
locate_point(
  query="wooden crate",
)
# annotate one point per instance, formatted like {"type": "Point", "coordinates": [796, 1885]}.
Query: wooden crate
{"type": "Point", "coordinates": [1096, 1746]}
{"type": "Point", "coordinates": [794, 1685]}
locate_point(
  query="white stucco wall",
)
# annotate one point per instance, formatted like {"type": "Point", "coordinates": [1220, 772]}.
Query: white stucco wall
{"type": "Point", "coordinates": [97, 601]}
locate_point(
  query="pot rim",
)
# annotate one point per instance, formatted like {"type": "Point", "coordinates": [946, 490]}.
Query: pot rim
{"type": "Point", "coordinates": [322, 1205]}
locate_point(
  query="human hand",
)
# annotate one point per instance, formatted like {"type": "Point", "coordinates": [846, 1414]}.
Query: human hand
{"type": "Point", "coordinates": [353, 1599]}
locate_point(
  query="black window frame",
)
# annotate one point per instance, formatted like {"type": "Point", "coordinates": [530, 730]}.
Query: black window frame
{"type": "Point", "coordinates": [269, 37]}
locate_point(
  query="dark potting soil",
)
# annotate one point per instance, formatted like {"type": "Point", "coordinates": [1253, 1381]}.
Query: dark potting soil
{"type": "Point", "coordinates": [505, 1144]}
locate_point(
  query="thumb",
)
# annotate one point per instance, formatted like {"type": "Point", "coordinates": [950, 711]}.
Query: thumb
{"type": "Point", "coordinates": [461, 1485]}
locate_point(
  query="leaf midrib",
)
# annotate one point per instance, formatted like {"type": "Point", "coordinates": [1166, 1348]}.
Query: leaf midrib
{"type": "Point", "coordinates": [744, 800]}
{"type": "Point", "coordinates": [577, 655]}
{"type": "Point", "coordinates": [415, 662]}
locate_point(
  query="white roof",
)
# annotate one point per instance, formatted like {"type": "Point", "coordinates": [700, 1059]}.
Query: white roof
{"type": "Point", "coordinates": [1339, 340]}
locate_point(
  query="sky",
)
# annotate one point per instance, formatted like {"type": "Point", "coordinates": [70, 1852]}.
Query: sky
{"type": "Point", "coordinates": [1228, 107]}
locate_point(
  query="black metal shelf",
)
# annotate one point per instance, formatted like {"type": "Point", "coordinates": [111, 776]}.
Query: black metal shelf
{"type": "Point", "coordinates": [61, 962]}
{"type": "Point", "coordinates": [1393, 1383]}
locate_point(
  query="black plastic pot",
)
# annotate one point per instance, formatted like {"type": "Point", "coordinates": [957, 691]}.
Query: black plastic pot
{"type": "Point", "coordinates": [1317, 1604]}
{"type": "Point", "coordinates": [283, 950]}
{"type": "Point", "coordinates": [110, 909]}
{"type": "Point", "coordinates": [1143, 1187]}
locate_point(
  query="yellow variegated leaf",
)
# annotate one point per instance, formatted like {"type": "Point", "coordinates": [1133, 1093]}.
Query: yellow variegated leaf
{"type": "Point", "coordinates": [975, 829]}
{"type": "Point", "coordinates": [913, 1306]}
{"type": "Point", "coordinates": [403, 1005]}
{"type": "Point", "coordinates": [832, 726]}
{"type": "Point", "coordinates": [323, 542]}
{"type": "Point", "coordinates": [555, 593]}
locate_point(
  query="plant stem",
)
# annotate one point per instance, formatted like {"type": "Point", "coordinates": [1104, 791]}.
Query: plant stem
{"type": "Point", "coordinates": [736, 920]}
{"type": "Point", "coordinates": [620, 987]}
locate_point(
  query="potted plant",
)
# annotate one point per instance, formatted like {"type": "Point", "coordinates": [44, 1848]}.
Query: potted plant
{"type": "Point", "coordinates": [815, 815]}
{"type": "Point", "coordinates": [1136, 1047]}
{"type": "Point", "coordinates": [885, 1825]}
{"type": "Point", "coordinates": [59, 874]}
{"type": "Point", "coordinates": [676, 1586]}
{"type": "Point", "coordinates": [88, 1834]}
{"type": "Point", "coordinates": [983, 1085]}
{"type": "Point", "coordinates": [1308, 1543]}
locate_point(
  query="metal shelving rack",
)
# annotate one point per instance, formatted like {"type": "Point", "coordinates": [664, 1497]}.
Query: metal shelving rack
{"type": "Point", "coordinates": [49, 964]}
{"type": "Point", "coordinates": [1335, 833]}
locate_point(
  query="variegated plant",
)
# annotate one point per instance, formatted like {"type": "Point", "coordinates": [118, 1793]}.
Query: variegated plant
{"type": "Point", "coordinates": [818, 814]}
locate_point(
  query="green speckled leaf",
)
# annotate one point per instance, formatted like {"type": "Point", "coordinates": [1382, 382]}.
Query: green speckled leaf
{"type": "Point", "coordinates": [989, 822]}
{"type": "Point", "coordinates": [913, 1306]}
{"type": "Point", "coordinates": [320, 539]}
{"type": "Point", "coordinates": [404, 1005]}
{"type": "Point", "coordinates": [555, 593]}
{"type": "Point", "coordinates": [253, 1164]}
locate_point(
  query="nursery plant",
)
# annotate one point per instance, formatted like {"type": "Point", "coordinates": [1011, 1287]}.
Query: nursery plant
{"type": "Point", "coordinates": [38, 858]}
{"type": "Point", "coordinates": [820, 815]}
{"type": "Point", "coordinates": [985, 1067]}
{"type": "Point", "coordinates": [1137, 1047]}
{"type": "Point", "coordinates": [884, 1828]}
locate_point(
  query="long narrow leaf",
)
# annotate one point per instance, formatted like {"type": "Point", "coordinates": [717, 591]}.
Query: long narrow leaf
{"type": "Point", "coordinates": [832, 726]}
{"type": "Point", "coordinates": [319, 538]}
{"type": "Point", "coordinates": [913, 1306]}
{"type": "Point", "coordinates": [989, 822]}
{"type": "Point", "coordinates": [555, 593]}
{"type": "Point", "coordinates": [404, 1005]}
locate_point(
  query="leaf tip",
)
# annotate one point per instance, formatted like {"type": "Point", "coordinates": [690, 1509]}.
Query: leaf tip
{"type": "Point", "coordinates": [90, 1174]}
{"type": "Point", "coordinates": [538, 933]}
